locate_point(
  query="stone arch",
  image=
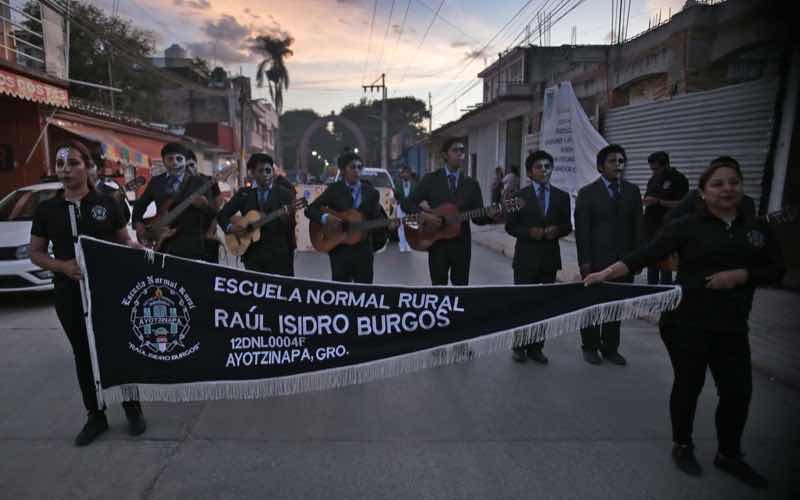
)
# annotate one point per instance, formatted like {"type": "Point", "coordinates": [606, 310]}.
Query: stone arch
{"type": "Point", "coordinates": [304, 151]}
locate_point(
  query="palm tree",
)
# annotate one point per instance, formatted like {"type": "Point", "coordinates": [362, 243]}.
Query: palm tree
{"type": "Point", "coordinates": [274, 50]}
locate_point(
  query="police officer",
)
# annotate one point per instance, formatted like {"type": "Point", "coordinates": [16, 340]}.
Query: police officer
{"type": "Point", "coordinates": [99, 216]}
{"type": "Point", "coordinates": [724, 256]}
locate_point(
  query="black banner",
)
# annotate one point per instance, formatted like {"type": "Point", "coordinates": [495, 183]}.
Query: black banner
{"type": "Point", "coordinates": [172, 329]}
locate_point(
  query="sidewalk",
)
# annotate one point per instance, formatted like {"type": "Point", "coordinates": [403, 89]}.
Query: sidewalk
{"type": "Point", "coordinates": [774, 320]}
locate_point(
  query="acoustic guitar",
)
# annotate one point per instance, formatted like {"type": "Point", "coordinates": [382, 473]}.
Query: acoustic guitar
{"type": "Point", "coordinates": [252, 222]}
{"type": "Point", "coordinates": [158, 230]}
{"type": "Point", "coordinates": [422, 236]}
{"type": "Point", "coordinates": [354, 229]}
{"type": "Point", "coordinates": [786, 214]}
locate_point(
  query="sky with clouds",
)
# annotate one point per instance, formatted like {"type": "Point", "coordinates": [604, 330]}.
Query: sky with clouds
{"type": "Point", "coordinates": [422, 45]}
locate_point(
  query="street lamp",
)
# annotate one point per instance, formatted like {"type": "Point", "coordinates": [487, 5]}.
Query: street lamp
{"type": "Point", "coordinates": [314, 154]}
{"type": "Point", "coordinates": [355, 150]}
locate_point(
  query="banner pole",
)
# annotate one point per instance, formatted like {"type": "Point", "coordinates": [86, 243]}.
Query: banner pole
{"type": "Point", "coordinates": [86, 304]}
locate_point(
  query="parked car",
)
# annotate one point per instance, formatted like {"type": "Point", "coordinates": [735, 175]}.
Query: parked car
{"type": "Point", "coordinates": [17, 272]}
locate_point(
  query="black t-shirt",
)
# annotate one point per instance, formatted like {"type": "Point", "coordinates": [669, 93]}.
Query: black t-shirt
{"type": "Point", "coordinates": [671, 186]}
{"type": "Point", "coordinates": [98, 216]}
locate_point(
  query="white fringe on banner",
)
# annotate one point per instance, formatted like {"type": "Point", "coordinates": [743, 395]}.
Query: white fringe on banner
{"type": "Point", "coordinates": [406, 363]}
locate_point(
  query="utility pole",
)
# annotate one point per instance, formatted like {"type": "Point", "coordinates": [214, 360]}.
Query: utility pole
{"type": "Point", "coordinates": [384, 119]}
{"type": "Point", "coordinates": [430, 115]}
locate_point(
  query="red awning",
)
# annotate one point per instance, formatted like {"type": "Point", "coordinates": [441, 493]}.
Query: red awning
{"type": "Point", "coordinates": [32, 90]}
{"type": "Point", "coordinates": [113, 147]}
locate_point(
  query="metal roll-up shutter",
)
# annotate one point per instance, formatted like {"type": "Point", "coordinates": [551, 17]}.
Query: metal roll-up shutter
{"type": "Point", "coordinates": [735, 120]}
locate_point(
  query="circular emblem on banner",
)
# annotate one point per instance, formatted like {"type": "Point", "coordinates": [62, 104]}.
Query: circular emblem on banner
{"type": "Point", "coordinates": [99, 213]}
{"type": "Point", "coordinates": [756, 238]}
{"type": "Point", "coordinates": [161, 322]}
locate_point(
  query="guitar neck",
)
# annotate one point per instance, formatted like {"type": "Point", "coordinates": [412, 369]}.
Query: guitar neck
{"type": "Point", "coordinates": [266, 219]}
{"type": "Point", "coordinates": [176, 212]}
{"type": "Point", "coordinates": [478, 212]}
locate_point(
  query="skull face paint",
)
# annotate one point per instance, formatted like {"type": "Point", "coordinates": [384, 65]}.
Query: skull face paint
{"type": "Point", "coordinates": [175, 163]}
{"type": "Point", "coordinates": [541, 170]}
{"type": "Point", "coordinates": [62, 160]}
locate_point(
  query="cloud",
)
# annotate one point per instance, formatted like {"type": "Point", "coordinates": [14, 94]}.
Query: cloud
{"type": "Point", "coordinates": [226, 28]}
{"type": "Point", "coordinates": [220, 52]}
{"type": "Point", "coordinates": [478, 54]}
{"type": "Point", "coordinates": [193, 4]}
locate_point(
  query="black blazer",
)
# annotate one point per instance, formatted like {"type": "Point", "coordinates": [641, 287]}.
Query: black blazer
{"type": "Point", "coordinates": [274, 235]}
{"type": "Point", "coordinates": [435, 189]}
{"type": "Point", "coordinates": [544, 254]}
{"type": "Point", "coordinates": [339, 198]}
{"type": "Point", "coordinates": [605, 230]}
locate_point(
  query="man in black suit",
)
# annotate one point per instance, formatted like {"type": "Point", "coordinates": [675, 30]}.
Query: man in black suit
{"type": "Point", "coordinates": [273, 252]}
{"type": "Point", "coordinates": [350, 263]}
{"type": "Point", "coordinates": [608, 226]}
{"type": "Point", "coordinates": [544, 218]}
{"type": "Point", "coordinates": [449, 257]}
{"type": "Point", "coordinates": [186, 236]}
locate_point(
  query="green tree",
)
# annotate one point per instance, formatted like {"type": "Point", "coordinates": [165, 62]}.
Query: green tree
{"type": "Point", "coordinates": [100, 60]}
{"type": "Point", "coordinates": [293, 124]}
{"type": "Point", "coordinates": [406, 114]}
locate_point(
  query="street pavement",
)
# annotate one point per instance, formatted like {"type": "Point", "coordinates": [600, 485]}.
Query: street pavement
{"type": "Point", "coordinates": [486, 429]}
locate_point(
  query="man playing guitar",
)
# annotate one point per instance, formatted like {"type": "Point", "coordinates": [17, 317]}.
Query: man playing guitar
{"type": "Point", "coordinates": [449, 258]}
{"type": "Point", "coordinates": [349, 263]}
{"type": "Point", "coordinates": [273, 252]}
{"type": "Point", "coordinates": [186, 236]}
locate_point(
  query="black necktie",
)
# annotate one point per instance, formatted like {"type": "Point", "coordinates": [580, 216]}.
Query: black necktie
{"type": "Point", "coordinates": [452, 179]}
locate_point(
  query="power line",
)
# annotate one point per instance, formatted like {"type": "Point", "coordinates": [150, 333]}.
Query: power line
{"type": "Point", "coordinates": [424, 37]}
{"type": "Point", "coordinates": [399, 35]}
{"type": "Point", "coordinates": [386, 34]}
{"type": "Point", "coordinates": [478, 52]}
{"type": "Point", "coordinates": [447, 21]}
{"type": "Point", "coordinates": [576, 5]}
{"type": "Point", "coordinates": [369, 41]}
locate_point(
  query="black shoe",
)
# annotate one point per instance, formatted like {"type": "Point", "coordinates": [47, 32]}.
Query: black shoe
{"type": "Point", "coordinates": [683, 456]}
{"type": "Point", "coordinates": [95, 425]}
{"type": "Point", "coordinates": [519, 355]}
{"type": "Point", "coordinates": [592, 357]}
{"type": "Point", "coordinates": [616, 358]}
{"type": "Point", "coordinates": [538, 356]}
{"type": "Point", "coordinates": [136, 422]}
{"type": "Point", "coordinates": [741, 470]}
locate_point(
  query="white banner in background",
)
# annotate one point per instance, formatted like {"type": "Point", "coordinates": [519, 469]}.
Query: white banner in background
{"type": "Point", "coordinates": [569, 136]}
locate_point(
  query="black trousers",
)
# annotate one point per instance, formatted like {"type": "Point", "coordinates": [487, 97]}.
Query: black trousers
{"type": "Point", "coordinates": [450, 259]}
{"type": "Point", "coordinates": [727, 355]}
{"type": "Point", "coordinates": [70, 313]}
{"type": "Point", "coordinates": [532, 277]}
{"type": "Point", "coordinates": [352, 263]}
{"type": "Point", "coordinates": [604, 337]}
{"type": "Point", "coordinates": [273, 261]}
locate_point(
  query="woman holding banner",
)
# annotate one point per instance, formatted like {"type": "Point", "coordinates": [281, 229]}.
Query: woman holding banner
{"type": "Point", "coordinates": [95, 215]}
{"type": "Point", "coordinates": [724, 255]}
